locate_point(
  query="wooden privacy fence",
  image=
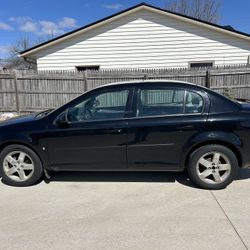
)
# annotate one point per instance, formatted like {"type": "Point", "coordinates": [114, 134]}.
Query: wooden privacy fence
{"type": "Point", "coordinates": [27, 91]}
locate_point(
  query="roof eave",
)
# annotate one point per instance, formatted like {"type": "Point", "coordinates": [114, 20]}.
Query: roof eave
{"type": "Point", "coordinates": [81, 30]}
{"type": "Point", "coordinates": [204, 24]}
{"type": "Point", "coordinates": [31, 52]}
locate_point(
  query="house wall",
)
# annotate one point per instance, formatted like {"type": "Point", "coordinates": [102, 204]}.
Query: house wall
{"type": "Point", "coordinates": [145, 39]}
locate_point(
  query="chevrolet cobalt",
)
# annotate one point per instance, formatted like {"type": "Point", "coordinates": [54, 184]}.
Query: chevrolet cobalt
{"type": "Point", "coordinates": [133, 126]}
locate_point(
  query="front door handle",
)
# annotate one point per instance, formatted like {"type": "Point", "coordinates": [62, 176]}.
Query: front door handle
{"type": "Point", "coordinates": [115, 130]}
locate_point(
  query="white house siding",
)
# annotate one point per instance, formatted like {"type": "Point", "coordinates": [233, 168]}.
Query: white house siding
{"type": "Point", "coordinates": [144, 39]}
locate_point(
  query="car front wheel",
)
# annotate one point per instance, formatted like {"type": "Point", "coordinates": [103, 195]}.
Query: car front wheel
{"type": "Point", "coordinates": [20, 166]}
{"type": "Point", "coordinates": [213, 166]}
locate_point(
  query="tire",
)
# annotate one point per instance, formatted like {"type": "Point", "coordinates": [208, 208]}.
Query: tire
{"type": "Point", "coordinates": [20, 166]}
{"type": "Point", "coordinates": [212, 167]}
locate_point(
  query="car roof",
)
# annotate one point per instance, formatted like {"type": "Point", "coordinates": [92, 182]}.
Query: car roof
{"type": "Point", "coordinates": [170, 82]}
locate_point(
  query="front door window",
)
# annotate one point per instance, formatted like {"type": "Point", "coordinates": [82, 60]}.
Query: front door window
{"type": "Point", "coordinates": [101, 106]}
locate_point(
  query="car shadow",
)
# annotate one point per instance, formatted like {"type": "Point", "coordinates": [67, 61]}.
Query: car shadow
{"type": "Point", "coordinates": [243, 174]}
{"type": "Point", "coordinates": [102, 176]}
{"type": "Point", "coordinates": [157, 177]}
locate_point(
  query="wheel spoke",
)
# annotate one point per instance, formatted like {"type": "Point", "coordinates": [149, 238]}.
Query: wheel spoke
{"type": "Point", "coordinates": [27, 166]}
{"type": "Point", "coordinates": [21, 157]}
{"type": "Point", "coordinates": [11, 171]}
{"type": "Point", "coordinates": [21, 174]}
{"type": "Point", "coordinates": [224, 167]}
{"type": "Point", "coordinates": [205, 162]}
{"type": "Point", "coordinates": [11, 160]}
{"type": "Point", "coordinates": [217, 177]}
{"type": "Point", "coordinates": [205, 173]}
{"type": "Point", "coordinates": [216, 158]}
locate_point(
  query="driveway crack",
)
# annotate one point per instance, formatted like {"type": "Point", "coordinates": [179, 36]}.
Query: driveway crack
{"type": "Point", "coordinates": [231, 223]}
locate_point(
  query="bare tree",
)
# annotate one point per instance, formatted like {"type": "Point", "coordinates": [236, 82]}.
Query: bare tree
{"type": "Point", "coordinates": [207, 10]}
{"type": "Point", "coordinates": [17, 62]}
{"type": "Point", "coordinates": [24, 43]}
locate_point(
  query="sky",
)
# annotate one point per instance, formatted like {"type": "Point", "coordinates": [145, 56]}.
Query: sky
{"type": "Point", "coordinates": [42, 19]}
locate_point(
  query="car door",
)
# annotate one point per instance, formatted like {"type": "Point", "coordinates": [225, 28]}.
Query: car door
{"type": "Point", "coordinates": [165, 118]}
{"type": "Point", "coordinates": [95, 135]}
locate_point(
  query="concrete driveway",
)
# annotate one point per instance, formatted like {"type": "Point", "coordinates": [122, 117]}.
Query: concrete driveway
{"type": "Point", "coordinates": [125, 211]}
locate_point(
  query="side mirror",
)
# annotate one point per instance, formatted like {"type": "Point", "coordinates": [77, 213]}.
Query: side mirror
{"type": "Point", "coordinates": [62, 120]}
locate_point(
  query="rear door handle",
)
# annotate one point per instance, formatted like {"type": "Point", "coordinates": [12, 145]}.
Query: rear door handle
{"type": "Point", "coordinates": [187, 127]}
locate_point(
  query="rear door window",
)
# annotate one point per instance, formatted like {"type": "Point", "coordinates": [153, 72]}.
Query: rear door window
{"type": "Point", "coordinates": [160, 101]}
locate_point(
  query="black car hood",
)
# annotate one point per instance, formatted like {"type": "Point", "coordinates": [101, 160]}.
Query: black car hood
{"type": "Point", "coordinates": [19, 119]}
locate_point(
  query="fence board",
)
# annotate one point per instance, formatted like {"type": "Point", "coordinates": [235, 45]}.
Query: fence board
{"type": "Point", "coordinates": [50, 89]}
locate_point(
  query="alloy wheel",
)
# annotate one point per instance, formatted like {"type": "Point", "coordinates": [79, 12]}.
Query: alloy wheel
{"type": "Point", "coordinates": [213, 168]}
{"type": "Point", "coordinates": [18, 166]}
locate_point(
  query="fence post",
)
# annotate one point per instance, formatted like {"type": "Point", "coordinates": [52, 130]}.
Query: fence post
{"type": "Point", "coordinates": [16, 93]}
{"type": "Point", "coordinates": [208, 79]}
{"type": "Point", "coordinates": [85, 81]}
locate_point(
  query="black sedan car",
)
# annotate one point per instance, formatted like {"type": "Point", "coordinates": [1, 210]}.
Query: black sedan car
{"type": "Point", "coordinates": [133, 126]}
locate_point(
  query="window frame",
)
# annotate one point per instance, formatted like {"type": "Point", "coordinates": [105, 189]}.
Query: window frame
{"type": "Point", "coordinates": [202, 94]}
{"type": "Point", "coordinates": [128, 106]}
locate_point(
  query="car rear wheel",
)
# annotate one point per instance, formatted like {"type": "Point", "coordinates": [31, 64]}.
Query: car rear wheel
{"type": "Point", "coordinates": [20, 166]}
{"type": "Point", "coordinates": [213, 166]}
